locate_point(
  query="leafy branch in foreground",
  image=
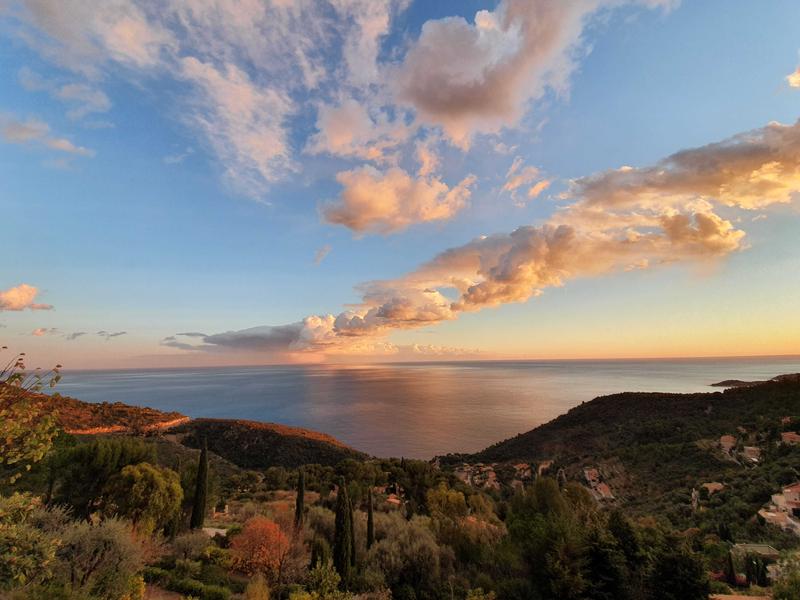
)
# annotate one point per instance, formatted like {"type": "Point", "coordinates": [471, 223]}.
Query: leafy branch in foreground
{"type": "Point", "coordinates": [27, 426]}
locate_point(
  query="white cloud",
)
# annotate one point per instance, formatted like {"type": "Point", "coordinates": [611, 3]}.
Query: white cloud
{"type": "Point", "coordinates": [389, 201]}
{"type": "Point", "coordinates": [243, 122]}
{"type": "Point", "coordinates": [481, 76]}
{"type": "Point", "coordinates": [321, 253]}
{"type": "Point", "coordinates": [623, 220]}
{"type": "Point", "coordinates": [34, 131]}
{"type": "Point", "coordinates": [21, 297]}
{"type": "Point", "coordinates": [528, 177]}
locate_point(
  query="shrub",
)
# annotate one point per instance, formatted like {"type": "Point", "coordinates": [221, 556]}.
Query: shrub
{"type": "Point", "coordinates": [190, 545]}
{"type": "Point", "coordinates": [27, 554]}
{"type": "Point", "coordinates": [260, 548]}
{"type": "Point", "coordinates": [99, 560]}
{"type": "Point", "coordinates": [257, 589]}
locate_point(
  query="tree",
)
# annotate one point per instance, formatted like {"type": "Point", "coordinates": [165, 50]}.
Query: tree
{"type": "Point", "coordinates": [343, 543]}
{"type": "Point", "coordinates": [370, 521]}
{"type": "Point", "coordinates": [261, 547]}
{"type": "Point", "coordinates": [85, 470]}
{"type": "Point", "coordinates": [320, 552]}
{"type": "Point", "coordinates": [299, 508]}
{"type": "Point", "coordinates": [409, 556]}
{"type": "Point", "coordinates": [146, 494]}
{"type": "Point", "coordinates": [678, 575]}
{"type": "Point", "coordinates": [27, 422]}
{"type": "Point", "coordinates": [200, 490]}
{"type": "Point", "coordinates": [730, 569]}
{"type": "Point", "coordinates": [606, 568]}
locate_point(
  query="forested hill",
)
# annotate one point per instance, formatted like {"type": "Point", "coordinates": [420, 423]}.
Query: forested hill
{"type": "Point", "coordinates": [246, 444]}
{"type": "Point", "coordinates": [623, 421]}
{"type": "Point", "coordinates": [653, 449]}
{"type": "Point", "coordinates": [257, 445]}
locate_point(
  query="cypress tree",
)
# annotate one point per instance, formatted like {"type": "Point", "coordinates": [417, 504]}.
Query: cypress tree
{"type": "Point", "coordinates": [201, 490]}
{"type": "Point", "coordinates": [298, 505]}
{"type": "Point", "coordinates": [343, 535]}
{"type": "Point", "coordinates": [320, 553]}
{"type": "Point", "coordinates": [370, 523]}
{"type": "Point", "coordinates": [352, 533]}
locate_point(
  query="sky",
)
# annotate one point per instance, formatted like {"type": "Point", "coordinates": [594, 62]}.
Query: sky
{"type": "Point", "coordinates": [218, 182]}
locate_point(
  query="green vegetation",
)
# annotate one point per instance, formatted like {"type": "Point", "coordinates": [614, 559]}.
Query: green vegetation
{"type": "Point", "coordinates": [101, 517]}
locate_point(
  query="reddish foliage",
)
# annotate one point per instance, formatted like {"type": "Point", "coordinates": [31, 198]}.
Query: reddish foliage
{"type": "Point", "coordinates": [260, 548]}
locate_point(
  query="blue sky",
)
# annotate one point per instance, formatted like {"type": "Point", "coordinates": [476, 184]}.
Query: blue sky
{"type": "Point", "coordinates": [139, 208]}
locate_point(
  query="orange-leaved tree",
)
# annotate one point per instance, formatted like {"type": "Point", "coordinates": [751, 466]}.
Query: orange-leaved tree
{"type": "Point", "coordinates": [261, 547]}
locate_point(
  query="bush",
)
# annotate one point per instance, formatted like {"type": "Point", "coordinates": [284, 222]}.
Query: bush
{"type": "Point", "coordinates": [99, 560]}
{"type": "Point", "coordinates": [154, 574]}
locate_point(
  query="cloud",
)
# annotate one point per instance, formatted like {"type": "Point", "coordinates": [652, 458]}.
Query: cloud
{"type": "Point", "coordinates": [529, 177]}
{"type": "Point", "coordinates": [83, 99]}
{"type": "Point", "coordinates": [751, 170]}
{"type": "Point", "coordinates": [243, 122]}
{"type": "Point", "coordinates": [793, 78]}
{"type": "Point", "coordinates": [43, 331]}
{"type": "Point", "coordinates": [81, 37]}
{"type": "Point", "coordinates": [110, 335]}
{"type": "Point", "coordinates": [389, 201]}
{"type": "Point", "coordinates": [175, 159]}
{"type": "Point", "coordinates": [618, 221]}
{"type": "Point", "coordinates": [249, 72]}
{"type": "Point", "coordinates": [21, 297]}
{"type": "Point", "coordinates": [34, 131]}
{"type": "Point", "coordinates": [74, 336]}
{"type": "Point", "coordinates": [481, 76]}
{"type": "Point", "coordinates": [321, 253]}
{"type": "Point", "coordinates": [348, 130]}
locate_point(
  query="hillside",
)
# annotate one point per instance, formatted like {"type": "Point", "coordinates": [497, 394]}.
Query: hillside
{"type": "Point", "coordinates": [256, 445]}
{"type": "Point", "coordinates": [653, 448]}
{"type": "Point", "coordinates": [245, 444]}
{"type": "Point", "coordinates": [87, 418]}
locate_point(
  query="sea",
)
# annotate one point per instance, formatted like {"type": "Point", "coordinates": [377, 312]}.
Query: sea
{"type": "Point", "coordinates": [416, 410]}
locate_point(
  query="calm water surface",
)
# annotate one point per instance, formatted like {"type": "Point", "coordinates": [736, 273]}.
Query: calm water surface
{"type": "Point", "coordinates": [415, 410]}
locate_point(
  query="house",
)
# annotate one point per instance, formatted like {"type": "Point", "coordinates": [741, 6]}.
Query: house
{"type": "Point", "coordinates": [394, 500]}
{"type": "Point", "coordinates": [523, 471]}
{"type": "Point", "coordinates": [727, 443]}
{"type": "Point", "coordinates": [765, 551]}
{"type": "Point", "coordinates": [784, 509]}
{"type": "Point", "coordinates": [592, 476]}
{"type": "Point", "coordinates": [713, 486]}
{"type": "Point", "coordinates": [790, 437]}
{"type": "Point", "coordinates": [603, 491]}
{"type": "Point", "coordinates": [751, 453]}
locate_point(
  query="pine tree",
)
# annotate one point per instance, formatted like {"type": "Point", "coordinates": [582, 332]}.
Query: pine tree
{"type": "Point", "coordinates": [370, 522]}
{"type": "Point", "coordinates": [201, 490]}
{"type": "Point", "coordinates": [298, 505]}
{"type": "Point", "coordinates": [343, 535]}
